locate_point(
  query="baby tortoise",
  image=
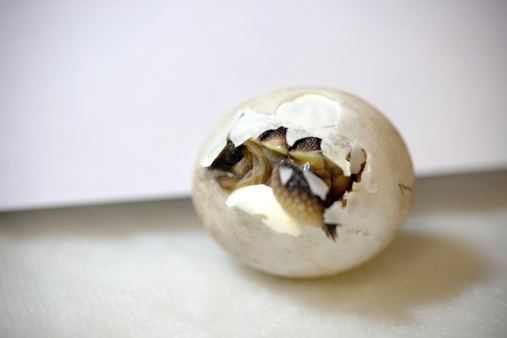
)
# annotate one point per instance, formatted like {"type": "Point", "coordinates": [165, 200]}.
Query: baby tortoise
{"type": "Point", "coordinates": [269, 160]}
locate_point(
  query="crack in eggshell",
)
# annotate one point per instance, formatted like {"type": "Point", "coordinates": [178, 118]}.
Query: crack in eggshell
{"type": "Point", "coordinates": [337, 148]}
{"type": "Point", "coordinates": [357, 158]}
{"type": "Point", "coordinates": [310, 115]}
{"type": "Point", "coordinates": [219, 142]}
{"type": "Point", "coordinates": [251, 125]}
{"type": "Point", "coordinates": [312, 254]}
{"type": "Point", "coordinates": [340, 211]}
{"type": "Point", "coordinates": [365, 182]}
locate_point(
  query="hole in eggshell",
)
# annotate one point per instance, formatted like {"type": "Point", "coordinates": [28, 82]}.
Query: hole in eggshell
{"type": "Point", "coordinates": [303, 180]}
{"type": "Point", "coordinates": [358, 183]}
{"type": "Point", "coordinates": [307, 169]}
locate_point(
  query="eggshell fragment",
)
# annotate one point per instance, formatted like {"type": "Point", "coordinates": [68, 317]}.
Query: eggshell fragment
{"type": "Point", "coordinates": [369, 215]}
{"type": "Point", "coordinates": [317, 186]}
{"type": "Point", "coordinates": [258, 200]}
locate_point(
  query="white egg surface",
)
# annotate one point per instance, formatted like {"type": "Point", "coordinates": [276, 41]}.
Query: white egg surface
{"type": "Point", "coordinates": [303, 182]}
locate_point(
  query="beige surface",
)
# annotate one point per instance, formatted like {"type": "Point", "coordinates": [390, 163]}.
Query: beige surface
{"type": "Point", "coordinates": [148, 269]}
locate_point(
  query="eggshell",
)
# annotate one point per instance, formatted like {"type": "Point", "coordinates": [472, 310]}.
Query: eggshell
{"type": "Point", "coordinates": [375, 210]}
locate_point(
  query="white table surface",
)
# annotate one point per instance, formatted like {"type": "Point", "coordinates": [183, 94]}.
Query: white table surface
{"type": "Point", "coordinates": [148, 269]}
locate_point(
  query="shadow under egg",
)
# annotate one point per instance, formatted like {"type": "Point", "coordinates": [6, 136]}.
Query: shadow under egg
{"type": "Point", "coordinates": [415, 269]}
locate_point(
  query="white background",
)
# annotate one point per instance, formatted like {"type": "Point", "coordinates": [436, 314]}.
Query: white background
{"type": "Point", "coordinates": [106, 100]}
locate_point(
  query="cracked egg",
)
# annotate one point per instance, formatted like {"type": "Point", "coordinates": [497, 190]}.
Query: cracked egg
{"type": "Point", "coordinates": [304, 182]}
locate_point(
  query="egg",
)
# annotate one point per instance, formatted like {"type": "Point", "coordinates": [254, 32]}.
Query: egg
{"type": "Point", "coordinates": [303, 182]}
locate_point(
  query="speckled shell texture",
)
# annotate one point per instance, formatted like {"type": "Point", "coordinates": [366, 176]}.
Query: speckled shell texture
{"type": "Point", "coordinates": [370, 222]}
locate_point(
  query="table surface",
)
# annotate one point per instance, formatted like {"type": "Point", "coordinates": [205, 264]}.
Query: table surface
{"type": "Point", "coordinates": [148, 269]}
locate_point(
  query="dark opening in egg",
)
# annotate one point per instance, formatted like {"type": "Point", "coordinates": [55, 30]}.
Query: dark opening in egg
{"type": "Point", "coordinates": [304, 181]}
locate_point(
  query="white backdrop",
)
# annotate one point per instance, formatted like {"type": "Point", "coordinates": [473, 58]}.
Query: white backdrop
{"type": "Point", "coordinates": [106, 100]}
